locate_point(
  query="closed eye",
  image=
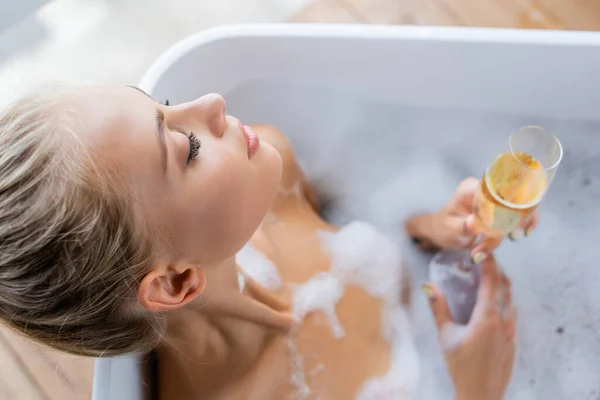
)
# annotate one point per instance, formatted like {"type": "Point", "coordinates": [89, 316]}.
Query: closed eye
{"type": "Point", "coordinates": [195, 145]}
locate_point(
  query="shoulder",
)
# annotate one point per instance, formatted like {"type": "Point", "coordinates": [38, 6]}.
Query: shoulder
{"type": "Point", "coordinates": [292, 173]}
{"type": "Point", "coordinates": [277, 139]}
{"type": "Point", "coordinates": [267, 129]}
{"type": "Point", "coordinates": [274, 137]}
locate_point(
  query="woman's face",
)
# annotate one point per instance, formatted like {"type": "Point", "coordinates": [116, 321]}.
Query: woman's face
{"type": "Point", "coordinates": [195, 173]}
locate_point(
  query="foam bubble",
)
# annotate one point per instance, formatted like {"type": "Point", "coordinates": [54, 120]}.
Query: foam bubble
{"type": "Point", "coordinates": [361, 255]}
{"type": "Point", "coordinates": [297, 376]}
{"type": "Point", "coordinates": [259, 267]}
{"type": "Point", "coordinates": [320, 293]}
{"type": "Point", "coordinates": [402, 379]}
{"type": "Point", "coordinates": [381, 160]}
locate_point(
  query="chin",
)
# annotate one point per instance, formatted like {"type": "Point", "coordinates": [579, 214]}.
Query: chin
{"type": "Point", "coordinates": [272, 169]}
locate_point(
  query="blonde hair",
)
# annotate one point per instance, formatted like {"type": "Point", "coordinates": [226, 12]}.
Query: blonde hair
{"type": "Point", "coordinates": [72, 251]}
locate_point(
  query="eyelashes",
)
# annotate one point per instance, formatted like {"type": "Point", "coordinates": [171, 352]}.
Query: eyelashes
{"type": "Point", "coordinates": [195, 145]}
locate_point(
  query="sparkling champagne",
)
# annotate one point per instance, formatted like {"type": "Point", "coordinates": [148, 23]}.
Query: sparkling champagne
{"type": "Point", "coordinates": [511, 188]}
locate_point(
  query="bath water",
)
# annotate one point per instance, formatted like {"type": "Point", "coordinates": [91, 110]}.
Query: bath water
{"type": "Point", "coordinates": [380, 161]}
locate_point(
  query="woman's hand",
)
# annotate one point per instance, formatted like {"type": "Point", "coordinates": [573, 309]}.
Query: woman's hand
{"type": "Point", "coordinates": [479, 355]}
{"type": "Point", "coordinates": [454, 227]}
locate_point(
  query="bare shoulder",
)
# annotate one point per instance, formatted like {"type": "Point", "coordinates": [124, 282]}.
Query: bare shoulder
{"type": "Point", "coordinates": [292, 172]}
{"type": "Point", "coordinates": [266, 129]}
{"type": "Point", "coordinates": [274, 137]}
{"type": "Point", "coordinates": [277, 139]}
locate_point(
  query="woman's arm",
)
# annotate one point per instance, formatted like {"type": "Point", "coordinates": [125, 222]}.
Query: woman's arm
{"type": "Point", "coordinates": [479, 355]}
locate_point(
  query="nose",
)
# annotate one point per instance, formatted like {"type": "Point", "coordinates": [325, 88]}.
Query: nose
{"type": "Point", "coordinates": [208, 110]}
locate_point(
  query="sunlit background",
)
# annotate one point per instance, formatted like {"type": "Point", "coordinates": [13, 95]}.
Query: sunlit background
{"type": "Point", "coordinates": [115, 41]}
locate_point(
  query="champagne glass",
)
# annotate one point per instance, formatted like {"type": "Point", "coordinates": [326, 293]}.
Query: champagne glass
{"type": "Point", "coordinates": [512, 187]}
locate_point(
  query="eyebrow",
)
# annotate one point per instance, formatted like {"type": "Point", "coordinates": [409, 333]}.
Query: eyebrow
{"type": "Point", "coordinates": [162, 143]}
{"type": "Point", "coordinates": [164, 102]}
{"type": "Point", "coordinates": [140, 90]}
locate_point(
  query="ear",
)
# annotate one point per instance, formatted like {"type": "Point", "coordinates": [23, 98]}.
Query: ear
{"type": "Point", "coordinates": [167, 288]}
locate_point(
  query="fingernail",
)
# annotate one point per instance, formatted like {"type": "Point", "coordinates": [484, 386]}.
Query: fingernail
{"type": "Point", "coordinates": [478, 257]}
{"type": "Point", "coordinates": [515, 234]}
{"type": "Point", "coordinates": [428, 291]}
{"type": "Point", "coordinates": [528, 231]}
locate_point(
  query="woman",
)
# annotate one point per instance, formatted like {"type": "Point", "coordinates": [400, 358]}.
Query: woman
{"type": "Point", "coordinates": [120, 222]}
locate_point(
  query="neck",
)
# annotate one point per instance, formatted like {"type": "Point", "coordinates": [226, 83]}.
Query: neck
{"type": "Point", "coordinates": [223, 331]}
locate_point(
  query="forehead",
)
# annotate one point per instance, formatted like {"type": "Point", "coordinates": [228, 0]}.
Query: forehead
{"type": "Point", "coordinates": [113, 111]}
{"type": "Point", "coordinates": [117, 125]}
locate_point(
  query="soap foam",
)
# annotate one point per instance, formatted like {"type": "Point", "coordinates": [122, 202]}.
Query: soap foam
{"type": "Point", "coordinates": [401, 382]}
{"type": "Point", "coordinates": [259, 267]}
{"type": "Point", "coordinates": [297, 376]}
{"type": "Point", "coordinates": [362, 256]}
{"type": "Point", "coordinates": [382, 160]}
{"type": "Point", "coordinates": [320, 293]}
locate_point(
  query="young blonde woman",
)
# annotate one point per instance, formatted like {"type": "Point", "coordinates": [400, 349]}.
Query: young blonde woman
{"type": "Point", "coordinates": [120, 220]}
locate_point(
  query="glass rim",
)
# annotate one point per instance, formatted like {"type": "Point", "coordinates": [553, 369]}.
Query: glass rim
{"type": "Point", "coordinates": [556, 140]}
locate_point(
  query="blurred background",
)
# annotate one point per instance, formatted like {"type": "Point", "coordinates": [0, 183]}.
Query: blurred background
{"type": "Point", "coordinates": [115, 41]}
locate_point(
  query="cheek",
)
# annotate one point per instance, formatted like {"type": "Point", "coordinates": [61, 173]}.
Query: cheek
{"type": "Point", "coordinates": [269, 166]}
{"type": "Point", "coordinates": [229, 201]}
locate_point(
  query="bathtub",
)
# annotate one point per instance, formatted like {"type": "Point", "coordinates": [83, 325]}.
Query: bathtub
{"type": "Point", "coordinates": [387, 120]}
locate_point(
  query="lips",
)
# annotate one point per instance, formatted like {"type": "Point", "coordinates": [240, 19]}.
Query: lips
{"type": "Point", "coordinates": [252, 140]}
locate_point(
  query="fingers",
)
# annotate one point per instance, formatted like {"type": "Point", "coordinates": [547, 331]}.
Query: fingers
{"type": "Point", "coordinates": [420, 229]}
{"type": "Point", "coordinates": [489, 244]}
{"type": "Point", "coordinates": [531, 223]}
{"type": "Point", "coordinates": [528, 224]}
{"type": "Point", "coordinates": [260, 313]}
{"type": "Point", "coordinates": [494, 302]}
{"type": "Point", "coordinates": [451, 229]}
{"type": "Point", "coordinates": [487, 297]}
{"type": "Point", "coordinates": [511, 324]}
{"type": "Point", "coordinates": [252, 310]}
{"type": "Point", "coordinates": [263, 295]}
{"type": "Point", "coordinates": [432, 232]}
{"type": "Point", "coordinates": [439, 306]}
{"type": "Point", "coordinates": [463, 195]}
{"type": "Point", "coordinates": [504, 303]}
{"type": "Point", "coordinates": [461, 231]}
{"type": "Point", "coordinates": [507, 288]}
{"type": "Point", "coordinates": [484, 248]}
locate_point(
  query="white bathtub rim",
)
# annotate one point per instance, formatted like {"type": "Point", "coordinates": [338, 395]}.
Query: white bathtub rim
{"type": "Point", "coordinates": [358, 31]}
